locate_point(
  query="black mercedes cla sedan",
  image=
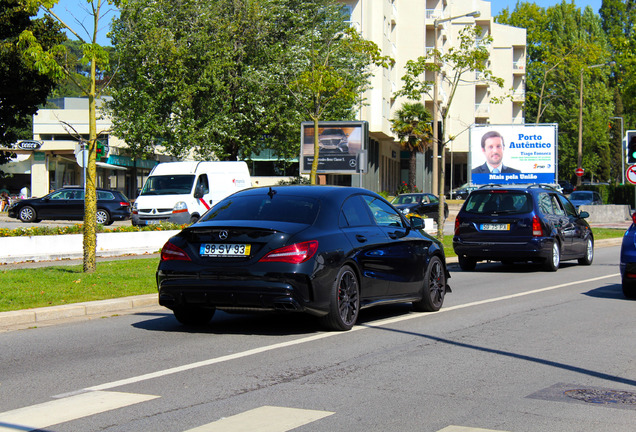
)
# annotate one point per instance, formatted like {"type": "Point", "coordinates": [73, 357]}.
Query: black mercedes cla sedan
{"type": "Point", "coordinates": [323, 250]}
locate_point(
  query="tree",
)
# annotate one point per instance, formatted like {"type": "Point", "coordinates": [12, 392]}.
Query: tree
{"type": "Point", "coordinates": [53, 62]}
{"type": "Point", "coordinates": [22, 89]}
{"type": "Point", "coordinates": [470, 55]}
{"type": "Point", "coordinates": [412, 125]}
{"type": "Point", "coordinates": [203, 89]}
{"type": "Point", "coordinates": [329, 66]}
{"type": "Point", "coordinates": [563, 41]}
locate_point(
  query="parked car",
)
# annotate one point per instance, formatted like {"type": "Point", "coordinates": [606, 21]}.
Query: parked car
{"type": "Point", "coordinates": [323, 250]}
{"type": "Point", "coordinates": [628, 261]}
{"type": "Point", "coordinates": [579, 198]}
{"type": "Point", "coordinates": [68, 204]}
{"type": "Point", "coordinates": [422, 204]}
{"type": "Point", "coordinates": [566, 186]}
{"type": "Point", "coordinates": [463, 191]}
{"type": "Point", "coordinates": [521, 223]}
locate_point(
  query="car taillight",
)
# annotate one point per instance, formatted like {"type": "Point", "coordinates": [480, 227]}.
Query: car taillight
{"type": "Point", "coordinates": [124, 204]}
{"type": "Point", "coordinates": [457, 226]}
{"type": "Point", "coordinates": [292, 254]}
{"type": "Point", "coordinates": [634, 217]}
{"type": "Point", "coordinates": [170, 252]}
{"type": "Point", "coordinates": [536, 227]}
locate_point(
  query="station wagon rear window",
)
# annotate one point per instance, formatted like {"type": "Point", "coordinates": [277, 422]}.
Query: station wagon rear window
{"type": "Point", "coordinates": [500, 202]}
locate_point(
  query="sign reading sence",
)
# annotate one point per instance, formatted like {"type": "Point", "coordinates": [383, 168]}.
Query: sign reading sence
{"type": "Point", "coordinates": [524, 153]}
{"type": "Point", "coordinates": [29, 145]}
{"type": "Point", "coordinates": [341, 147]}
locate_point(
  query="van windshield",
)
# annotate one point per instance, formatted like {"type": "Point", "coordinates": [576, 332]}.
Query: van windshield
{"type": "Point", "coordinates": [168, 185]}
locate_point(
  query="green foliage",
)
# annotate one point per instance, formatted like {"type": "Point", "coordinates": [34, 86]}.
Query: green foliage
{"type": "Point", "coordinates": [22, 88]}
{"type": "Point", "coordinates": [413, 128]}
{"type": "Point", "coordinates": [563, 41]}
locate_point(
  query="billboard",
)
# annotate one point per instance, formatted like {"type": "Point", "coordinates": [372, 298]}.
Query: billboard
{"type": "Point", "coordinates": [342, 147]}
{"type": "Point", "coordinates": [513, 153]}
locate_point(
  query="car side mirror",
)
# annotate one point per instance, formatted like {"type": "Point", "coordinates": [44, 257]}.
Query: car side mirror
{"type": "Point", "coordinates": [416, 222]}
{"type": "Point", "coordinates": [198, 192]}
{"type": "Point", "coordinates": [583, 214]}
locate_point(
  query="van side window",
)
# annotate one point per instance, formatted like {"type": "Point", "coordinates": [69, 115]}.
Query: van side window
{"type": "Point", "coordinates": [203, 182]}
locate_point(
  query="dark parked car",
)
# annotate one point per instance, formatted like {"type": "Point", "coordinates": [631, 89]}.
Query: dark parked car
{"type": "Point", "coordinates": [463, 191]}
{"type": "Point", "coordinates": [333, 140]}
{"type": "Point", "coordinates": [521, 223]}
{"type": "Point", "coordinates": [324, 250]}
{"type": "Point", "coordinates": [422, 204]}
{"type": "Point", "coordinates": [579, 198]}
{"type": "Point", "coordinates": [628, 261]}
{"type": "Point", "coordinates": [68, 204]}
{"type": "Point", "coordinates": [566, 186]}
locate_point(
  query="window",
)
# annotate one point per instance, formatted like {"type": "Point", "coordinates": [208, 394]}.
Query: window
{"type": "Point", "coordinates": [383, 214]}
{"type": "Point", "coordinates": [354, 213]}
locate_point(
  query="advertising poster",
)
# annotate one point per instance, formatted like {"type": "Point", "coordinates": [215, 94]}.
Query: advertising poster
{"type": "Point", "coordinates": [341, 147]}
{"type": "Point", "coordinates": [513, 154]}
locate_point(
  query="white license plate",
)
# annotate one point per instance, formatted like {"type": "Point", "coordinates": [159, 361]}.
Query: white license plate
{"type": "Point", "coordinates": [153, 222]}
{"type": "Point", "coordinates": [224, 250]}
{"type": "Point", "coordinates": [495, 227]}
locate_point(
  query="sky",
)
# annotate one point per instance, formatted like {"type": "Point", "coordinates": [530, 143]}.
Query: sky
{"type": "Point", "coordinates": [72, 11]}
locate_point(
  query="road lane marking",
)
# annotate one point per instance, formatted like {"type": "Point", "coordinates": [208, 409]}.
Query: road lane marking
{"type": "Point", "coordinates": [466, 429]}
{"type": "Point", "coordinates": [264, 419]}
{"type": "Point", "coordinates": [50, 413]}
{"type": "Point", "coordinates": [263, 349]}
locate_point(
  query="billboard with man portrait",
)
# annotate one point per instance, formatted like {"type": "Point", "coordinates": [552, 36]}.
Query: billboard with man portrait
{"type": "Point", "coordinates": [513, 154]}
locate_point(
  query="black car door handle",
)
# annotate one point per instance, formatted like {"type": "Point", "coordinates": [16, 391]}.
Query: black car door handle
{"type": "Point", "coordinates": [361, 238]}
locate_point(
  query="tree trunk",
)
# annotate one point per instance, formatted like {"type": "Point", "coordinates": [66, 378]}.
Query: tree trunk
{"type": "Point", "coordinates": [90, 193]}
{"type": "Point", "coordinates": [412, 170]}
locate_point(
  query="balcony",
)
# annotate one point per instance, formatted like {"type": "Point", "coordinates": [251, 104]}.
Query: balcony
{"type": "Point", "coordinates": [482, 110]}
{"type": "Point", "coordinates": [519, 67]}
{"type": "Point", "coordinates": [518, 96]}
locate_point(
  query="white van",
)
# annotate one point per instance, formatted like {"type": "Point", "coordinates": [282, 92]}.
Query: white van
{"type": "Point", "coordinates": [180, 192]}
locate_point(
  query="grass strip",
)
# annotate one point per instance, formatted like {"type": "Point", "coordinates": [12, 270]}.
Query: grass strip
{"type": "Point", "coordinates": [60, 285]}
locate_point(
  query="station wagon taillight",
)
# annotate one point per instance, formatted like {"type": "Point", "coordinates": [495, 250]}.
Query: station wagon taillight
{"type": "Point", "coordinates": [457, 226]}
{"type": "Point", "coordinates": [537, 231]}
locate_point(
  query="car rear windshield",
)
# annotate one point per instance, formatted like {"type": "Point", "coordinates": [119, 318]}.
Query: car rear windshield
{"type": "Point", "coordinates": [296, 209]}
{"type": "Point", "coordinates": [581, 195]}
{"type": "Point", "coordinates": [488, 202]}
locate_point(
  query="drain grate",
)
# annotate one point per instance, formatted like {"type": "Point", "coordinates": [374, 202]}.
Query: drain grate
{"type": "Point", "coordinates": [602, 396]}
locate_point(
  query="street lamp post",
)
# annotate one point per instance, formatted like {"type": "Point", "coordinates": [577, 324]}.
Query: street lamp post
{"type": "Point", "coordinates": [580, 152]}
{"type": "Point", "coordinates": [438, 184]}
{"type": "Point", "coordinates": [622, 149]}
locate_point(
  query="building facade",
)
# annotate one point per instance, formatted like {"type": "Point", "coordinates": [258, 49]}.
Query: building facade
{"type": "Point", "coordinates": [404, 29]}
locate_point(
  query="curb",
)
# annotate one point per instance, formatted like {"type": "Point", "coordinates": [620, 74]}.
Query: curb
{"type": "Point", "coordinates": [33, 317]}
{"type": "Point", "coordinates": [86, 309]}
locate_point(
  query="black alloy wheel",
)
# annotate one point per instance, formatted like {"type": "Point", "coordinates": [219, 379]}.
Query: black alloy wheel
{"type": "Point", "coordinates": [434, 287]}
{"type": "Point", "coordinates": [345, 301]}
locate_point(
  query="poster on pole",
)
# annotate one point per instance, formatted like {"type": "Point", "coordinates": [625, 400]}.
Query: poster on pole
{"type": "Point", "coordinates": [513, 153]}
{"type": "Point", "coordinates": [342, 147]}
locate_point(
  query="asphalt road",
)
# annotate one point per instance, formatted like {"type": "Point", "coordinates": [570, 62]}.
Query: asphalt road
{"type": "Point", "coordinates": [514, 349]}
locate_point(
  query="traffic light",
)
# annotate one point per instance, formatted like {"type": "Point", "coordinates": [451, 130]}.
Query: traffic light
{"type": "Point", "coordinates": [100, 151]}
{"type": "Point", "coordinates": [631, 147]}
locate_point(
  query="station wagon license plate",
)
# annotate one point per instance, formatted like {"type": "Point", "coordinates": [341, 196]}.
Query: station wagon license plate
{"type": "Point", "coordinates": [495, 227]}
{"type": "Point", "coordinates": [224, 250]}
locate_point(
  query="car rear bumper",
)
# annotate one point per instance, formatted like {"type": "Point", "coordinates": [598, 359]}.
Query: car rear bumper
{"type": "Point", "coordinates": [246, 293]}
{"type": "Point", "coordinates": [537, 248]}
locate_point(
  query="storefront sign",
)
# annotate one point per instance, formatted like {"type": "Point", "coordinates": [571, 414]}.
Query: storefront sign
{"type": "Point", "coordinates": [29, 145]}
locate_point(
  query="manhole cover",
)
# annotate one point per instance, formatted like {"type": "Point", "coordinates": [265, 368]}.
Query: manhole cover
{"type": "Point", "coordinates": [603, 396]}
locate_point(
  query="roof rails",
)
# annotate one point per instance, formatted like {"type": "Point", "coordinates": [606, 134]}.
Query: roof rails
{"type": "Point", "coordinates": [492, 185]}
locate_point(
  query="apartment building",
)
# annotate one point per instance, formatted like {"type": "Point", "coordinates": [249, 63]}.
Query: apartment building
{"type": "Point", "coordinates": [404, 29]}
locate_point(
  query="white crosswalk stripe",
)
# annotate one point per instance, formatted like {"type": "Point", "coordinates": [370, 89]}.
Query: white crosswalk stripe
{"type": "Point", "coordinates": [70, 408]}
{"type": "Point", "coordinates": [264, 419]}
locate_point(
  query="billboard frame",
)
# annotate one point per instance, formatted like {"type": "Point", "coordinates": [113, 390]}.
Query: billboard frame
{"type": "Point", "coordinates": [333, 159]}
